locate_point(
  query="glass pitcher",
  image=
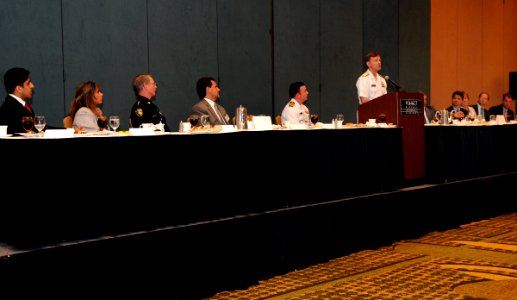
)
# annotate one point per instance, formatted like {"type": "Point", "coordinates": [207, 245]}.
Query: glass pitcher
{"type": "Point", "coordinates": [241, 117]}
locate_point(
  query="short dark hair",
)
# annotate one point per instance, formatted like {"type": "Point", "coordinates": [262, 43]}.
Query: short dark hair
{"type": "Point", "coordinates": [370, 55]}
{"type": "Point", "coordinates": [15, 77]}
{"type": "Point", "coordinates": [459, 93]}
{"type": "Point", "coordinates": [294, 88]}
{"type": "Point", "coordinates": [507, 95]}
{"type": "Point", "coordinates": [202, 84]}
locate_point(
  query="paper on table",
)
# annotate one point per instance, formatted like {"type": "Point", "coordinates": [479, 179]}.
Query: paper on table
{"type": "Point", "coordinates": [262, 123]}
{"type": "Point", "coordinates": [59, 133]}
{"type": "Point", "coordinates": [141, 131]}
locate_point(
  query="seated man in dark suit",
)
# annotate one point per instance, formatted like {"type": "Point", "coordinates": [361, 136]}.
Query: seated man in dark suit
{"type": "Point", "coordinates": [504, 108]}
{"type": "Point", "coordinates": [19, 87]}
{"type": "Point", "coordinates": [456, 109]}
{"type": "Point", "coordinates": [480, 107]}
{"type": "Point", "coordinates": [429, 110]}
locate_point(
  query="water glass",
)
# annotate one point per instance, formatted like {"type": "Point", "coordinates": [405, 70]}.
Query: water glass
{"type": "Point", "coordinates": [205, 121]}
{"type": "Point", "coordinates": [340, 118]}
{"type": "Point", "coordinates": [40, 123]}
{"type": "Point", "coordinates": [114, 122]}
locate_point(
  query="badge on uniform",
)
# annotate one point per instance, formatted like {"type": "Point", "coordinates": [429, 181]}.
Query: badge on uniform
{"type": "Point", "coordinates": [139, 112]}
{"type": "Point", "coordinates": [373, 85]}
{"type": "Point", "coordinates": [291, 104]}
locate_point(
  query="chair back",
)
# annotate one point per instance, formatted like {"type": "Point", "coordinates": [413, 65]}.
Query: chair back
{"type": "Point", "coordinates": [68, 122]}
{"type": "Point", "coordinates": [278, 120]}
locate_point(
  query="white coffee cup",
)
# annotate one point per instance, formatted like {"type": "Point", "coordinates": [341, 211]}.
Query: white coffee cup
{"type": "Point", "coordinates": [3, 130]}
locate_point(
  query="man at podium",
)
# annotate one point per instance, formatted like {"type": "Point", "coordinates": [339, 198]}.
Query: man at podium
{"type": "Point", "coordinates": [371, 84]}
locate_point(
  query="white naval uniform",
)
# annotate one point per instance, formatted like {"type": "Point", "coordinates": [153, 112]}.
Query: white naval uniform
{"type": "Point", "coordinates": [295, 113]}
{"type": "Point", "coordinates": [370, 87]}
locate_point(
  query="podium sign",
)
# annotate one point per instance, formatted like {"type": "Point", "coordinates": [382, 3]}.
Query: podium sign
{"type": "Point", "coordinates": [404, 110]}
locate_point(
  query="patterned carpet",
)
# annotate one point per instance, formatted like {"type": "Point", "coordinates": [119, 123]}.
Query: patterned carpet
{"type": "Point", "coordinates": [476, 261]}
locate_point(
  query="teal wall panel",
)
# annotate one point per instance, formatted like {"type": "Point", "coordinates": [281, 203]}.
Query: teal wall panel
{"type": "Point", "coordinates": [244, 43]}
{"type": "Point", "coordinates": [254, 48]}
{"type": "Point", "coordinates": [31, 38]}
{"type": "Point", "coordinates": [341, 56]}
{"type": "Point", "coordinates": [296, 50]}
{"type": "Point", "coordinates": [381, 33]}
{"type": "Point", "coordinates": [182, 48]}
{"type": "Point", "coordinates": [105, 41]}
{"type": "Point", "coordinates": [415, 45]}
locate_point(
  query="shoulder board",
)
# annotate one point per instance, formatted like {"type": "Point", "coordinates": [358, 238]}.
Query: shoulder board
{"type": "Point", "coordinates": [365, 74]}
{"type": "Point", "coordinates": [291, 104]}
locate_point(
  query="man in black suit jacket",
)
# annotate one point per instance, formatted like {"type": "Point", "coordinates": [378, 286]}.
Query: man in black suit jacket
{"type": "Point", "coordinates": [429, 110]}
{"type": "Point", "coordinates": [479, 107]}
{"type": "Point", "coordinates": [19, 88]}
{"type": "Point", "coordinates": [456, 109]}
{"type": "Point", "coordinates": [504, 108]}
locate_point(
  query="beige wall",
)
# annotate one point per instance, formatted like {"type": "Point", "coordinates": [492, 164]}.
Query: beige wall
{"type": "Point", "coordinates": [473, 48]}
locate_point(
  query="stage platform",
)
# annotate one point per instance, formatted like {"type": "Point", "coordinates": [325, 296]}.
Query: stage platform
{"type": "Point", "coordinates": [200, 259]}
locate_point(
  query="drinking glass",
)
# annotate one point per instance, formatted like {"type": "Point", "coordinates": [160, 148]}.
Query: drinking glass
{"type": "Point", "coordinates": [340, 118]}
{"type": "Point", "coordinates": [314, 119]}
{"type": "Point", "coordinates": [508, 117]}
{"type": "Point", "coordinates": [102, 122]}
{"type": "Point", "coordinates": [471, 117]}
{"type": "Point", "coordinates": [40, 123]}
{"type": "Point", "coordinates": [27, 123]}
{"type": "Point", "coordinates": [114, 122]}
{"type": "Point", "coordinates": [205, 121]}
{"type": "Point", "coordinates": [194, 119]}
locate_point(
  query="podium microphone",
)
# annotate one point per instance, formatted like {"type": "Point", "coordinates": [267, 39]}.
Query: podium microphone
{"type": "Point", "coordinates": [392, 82]}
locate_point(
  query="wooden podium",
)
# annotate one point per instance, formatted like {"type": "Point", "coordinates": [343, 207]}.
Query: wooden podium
{"type": "Point", "coordinates": [404, 110]}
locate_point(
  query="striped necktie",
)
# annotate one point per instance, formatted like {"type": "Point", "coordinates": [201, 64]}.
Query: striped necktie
{"type": "Point", "coordinates": [219, 115]}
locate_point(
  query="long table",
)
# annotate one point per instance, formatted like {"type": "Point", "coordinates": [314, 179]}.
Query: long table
{"type": "Point", "coordinates": [461, 152]}
{"type": "Point", "coordinates": [179, 179]}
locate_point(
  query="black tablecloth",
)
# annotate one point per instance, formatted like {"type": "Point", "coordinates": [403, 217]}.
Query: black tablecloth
{"type": "Point", "coordinates": [145, 182]}
{"type": "Point", "coordinates": [460, 152]}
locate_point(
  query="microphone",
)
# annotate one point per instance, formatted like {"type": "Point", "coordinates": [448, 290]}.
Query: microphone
{"type": "Point", "coordinates": [392, 82]}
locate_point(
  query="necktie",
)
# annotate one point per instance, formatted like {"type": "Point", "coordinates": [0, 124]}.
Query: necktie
{"type": "Point", "coordinates": [219, 115]}
{"type": "Point", "coordinates": [27, 107]}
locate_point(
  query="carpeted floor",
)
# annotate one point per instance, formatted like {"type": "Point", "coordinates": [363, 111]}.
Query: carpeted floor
{"type": "Point", "coordinates": [476, 261]}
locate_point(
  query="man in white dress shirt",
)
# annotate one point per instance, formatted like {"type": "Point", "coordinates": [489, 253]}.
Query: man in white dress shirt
{"type": "Point", "coordinates": [295, 111]}
{"type": "Point", "coordinates": [371, 84]}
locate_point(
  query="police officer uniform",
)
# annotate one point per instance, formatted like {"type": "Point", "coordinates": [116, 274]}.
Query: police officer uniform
{"type": "Point", "coordinates": [370, 87]}
{"type": "Point", "coordinates": [145, 111]}
{"type": "Point", "coordinates": [295, 113]}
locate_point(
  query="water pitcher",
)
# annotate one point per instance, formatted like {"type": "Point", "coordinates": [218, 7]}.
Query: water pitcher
{"type": "Point", "coordinates": [241, 117]}
{"type": "Point", "coordinates": [443, 116]}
